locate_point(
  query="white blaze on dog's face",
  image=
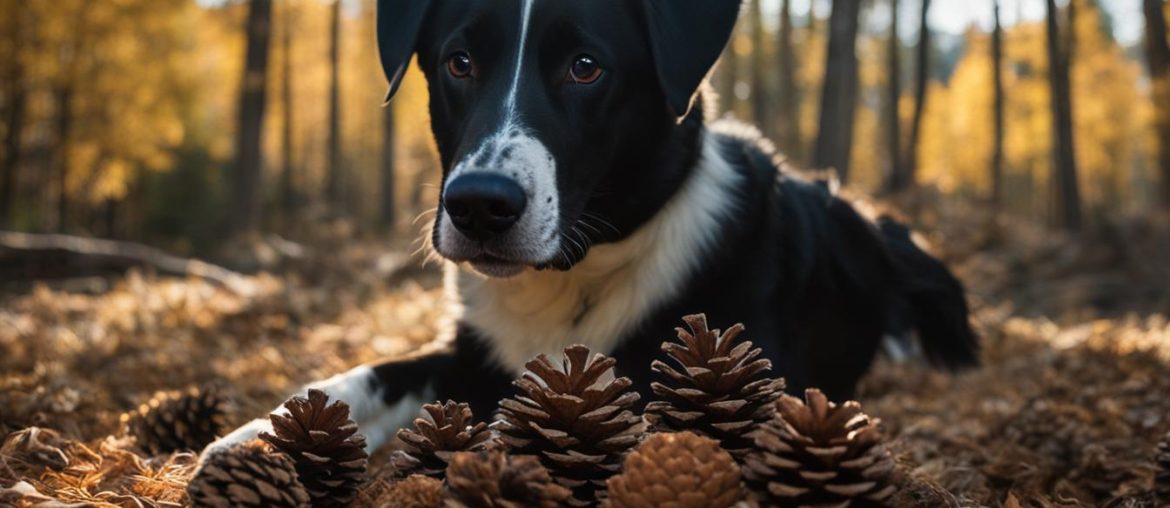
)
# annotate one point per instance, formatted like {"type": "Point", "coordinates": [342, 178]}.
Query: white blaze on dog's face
{"type": "Point", "coordinates": [527, 100]}
{"type": "Point", "coordinates": [513, 156]}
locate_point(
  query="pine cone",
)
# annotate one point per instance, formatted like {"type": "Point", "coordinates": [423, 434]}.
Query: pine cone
{"type": "Point", "coordinates": [677, 470]}
{"type": "Point", "coordinates": [579, 426]}
{"type": "Point", "coordinates": [247, 475]}
{"type": "Point", "coordinates": [719, 390]}
{"type": "Point", "coordinates": [329, 454]}
{"type": "Point", "coordinates": [495, 480]}
{"type": "Point", "coordinates": [820, 454]}
{"type": "Point", "coordinates": [1162, 481]}
{"type": "Point", "coordinates": [178, 421]}
{"type": "Point", "coordinates": [446, 429]}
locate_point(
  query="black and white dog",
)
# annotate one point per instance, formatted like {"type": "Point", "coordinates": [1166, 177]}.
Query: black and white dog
{"type": "Point", "coordinates": [586, 201]}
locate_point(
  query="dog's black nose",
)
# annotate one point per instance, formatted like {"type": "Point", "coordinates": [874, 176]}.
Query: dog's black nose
{"type": "Point", "coordinates": [484, 205]}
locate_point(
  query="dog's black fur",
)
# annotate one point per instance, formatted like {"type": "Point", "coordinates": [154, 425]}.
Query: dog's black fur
{"type": "Point", "coordinates": [594, 165]}
{"type": "Point", "coordinates": [816, 284]}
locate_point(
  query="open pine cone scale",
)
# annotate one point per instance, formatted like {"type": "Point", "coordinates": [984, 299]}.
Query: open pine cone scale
{"type": "Point", "coordinates": [573, 418]}
{"type": "Point", "coordinates": [323, 442]}
{"type": "Point", "coordinates": [678, 470]}
{"type": "Point", "coordinates": [248, 476]}
{"type": "Point", "coordinates": [716, 386]}
{"type": "Point", "coordinates": [178, 420]}
{"type": "Point", "coordinates": [816, 453]}
{"type": "Point", "coordinates": [444, 429]}
{"type": "Point", "coordinates": [495, 480]}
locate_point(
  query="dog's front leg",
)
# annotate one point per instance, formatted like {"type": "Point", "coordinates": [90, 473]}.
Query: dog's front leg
{"type": "Point", "coordinates": [387, 396]}
{"type": "Point", "coordinates": [382, 397]}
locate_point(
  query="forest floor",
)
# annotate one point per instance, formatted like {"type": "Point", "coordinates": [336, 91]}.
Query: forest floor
{"type": "Point", "coordinates": [1065, 411]}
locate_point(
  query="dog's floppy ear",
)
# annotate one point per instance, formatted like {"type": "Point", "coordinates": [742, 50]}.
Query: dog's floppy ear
{"type": "Point", "coordinates": [399, 22]}
{"type": "Point", "coordinates": [687, 36]}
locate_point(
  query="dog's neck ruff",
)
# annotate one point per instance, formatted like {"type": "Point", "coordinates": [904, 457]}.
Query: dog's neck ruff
{"type": "Point", "coordinates": [607, 295]}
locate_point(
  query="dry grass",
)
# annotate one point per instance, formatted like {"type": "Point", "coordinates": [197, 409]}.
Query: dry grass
{"type": "Point", "coordinates": [1065, 412]}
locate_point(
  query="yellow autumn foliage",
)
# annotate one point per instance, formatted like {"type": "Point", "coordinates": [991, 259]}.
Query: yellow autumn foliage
{"type": "Point", "coordinates": [1111, 115]}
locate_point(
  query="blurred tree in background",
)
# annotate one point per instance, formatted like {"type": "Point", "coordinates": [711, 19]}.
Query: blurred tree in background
{"type": "Point", "coordinates": [1158, 62]}
{"type": "Point", "coordinates": [172, 122]}
{"type": "Point", "coordinates": [245, 216]}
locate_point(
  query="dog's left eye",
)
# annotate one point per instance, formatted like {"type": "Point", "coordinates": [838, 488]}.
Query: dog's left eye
{"type": "Point", "coordinates": [460, 65]}
{"type": "Point", "coordinates": [585, 70]}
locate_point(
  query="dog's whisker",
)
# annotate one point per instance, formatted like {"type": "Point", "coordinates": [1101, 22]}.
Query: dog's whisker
{"type": "Point", "coordinates": [602, 221]}
{"type": "Point", "coordinates": [571, 244]}
{"type": "Point", "coordinates": [584, 223]}
{"type": "Point", "coordinates": [581, 235]}
{"type": "Point", "coordinates": [602, 235]}
{"type": "Point", "coordinates": [566, 244]}
{"type": "Point", "coordinates": [424, 214]}
{"type": "Point", "coordinates": [576, 232]}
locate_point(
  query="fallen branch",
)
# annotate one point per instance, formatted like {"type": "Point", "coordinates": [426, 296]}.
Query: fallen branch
{"type": "Point", "coordinates": [26, 256]}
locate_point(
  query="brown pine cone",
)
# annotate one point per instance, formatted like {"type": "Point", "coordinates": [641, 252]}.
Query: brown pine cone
{"type": "Point", "coordinates": [719, 389]}
{"type": "Point", "coordinates": [1162, 481]}
{"type": "Point", "coordinates": [679, 470]}
{"type": "Point", "coordinates": [329, 454]}
{"type": "Point", "coordinates": [820, 454]}
{"type": "Point", "coordinates": [579, 426]}
{"type": "Point", "coordinates": [178, 421]}
{"type": "Point", "coordinates": [445, 429]}
{"type": "Point", "coordinates": [247, 475]}
{"type": "Point", "coordinates": [491, 479]}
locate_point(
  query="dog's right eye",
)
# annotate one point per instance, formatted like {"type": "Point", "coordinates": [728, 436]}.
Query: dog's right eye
{"type": "Point", "coordinates": [460, 65]}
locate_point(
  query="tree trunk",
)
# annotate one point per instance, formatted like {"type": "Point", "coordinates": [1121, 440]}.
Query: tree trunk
{"type": "Point", "coordinates": [333, 183]}
{"type": "Point", "coordinates": [893, 97]}
{"type": "Point", "coordinates": [813, 18]}
{"type": "Point", "coordinates": [64, 126]}
{"type": "Point", "coordinates": [788, 116]}
{"type": "Point", "coordinates": [1158, 60]}
{"type": "Point", "coordinates": [1068, 200]}
{"type": "Point", "coordinates": [109, 216]}
{"type": "Point", "coordinates": [388, 204]}
{"type": "Point", "coordinates": [759, 82]}
{"type": "Point", "coordinates": [246, 204]}
{"type": "Point", "coordinates": [839, 94]}
{"type": "Point", "coordinates": [288, 186]}
{"type": "Point", "coordinates": [997, 156]}
{"type": "Point", "coordinates": [16, 102]}
{"type": "Point", "coordinates": [908, 176]}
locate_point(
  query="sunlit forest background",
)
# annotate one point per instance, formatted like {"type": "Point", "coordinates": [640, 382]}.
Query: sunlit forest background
{"type": "Point", "coordinates": [137, 119]}
{"type": "Point", "coordinates": [210, 193]}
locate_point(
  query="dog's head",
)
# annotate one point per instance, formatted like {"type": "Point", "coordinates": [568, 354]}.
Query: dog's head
{"type": "Point", "coordinates": [554, 119]}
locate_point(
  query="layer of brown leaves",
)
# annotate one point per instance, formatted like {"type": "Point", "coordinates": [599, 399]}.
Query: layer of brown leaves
{"type": "Point", "coordinates": [74, 360]}
{"type": "Point", "coordinates": [1065, 411]}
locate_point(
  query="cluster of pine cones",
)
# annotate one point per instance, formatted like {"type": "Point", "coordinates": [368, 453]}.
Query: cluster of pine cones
{"type": "Point", "coordinates": [719, 433]}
